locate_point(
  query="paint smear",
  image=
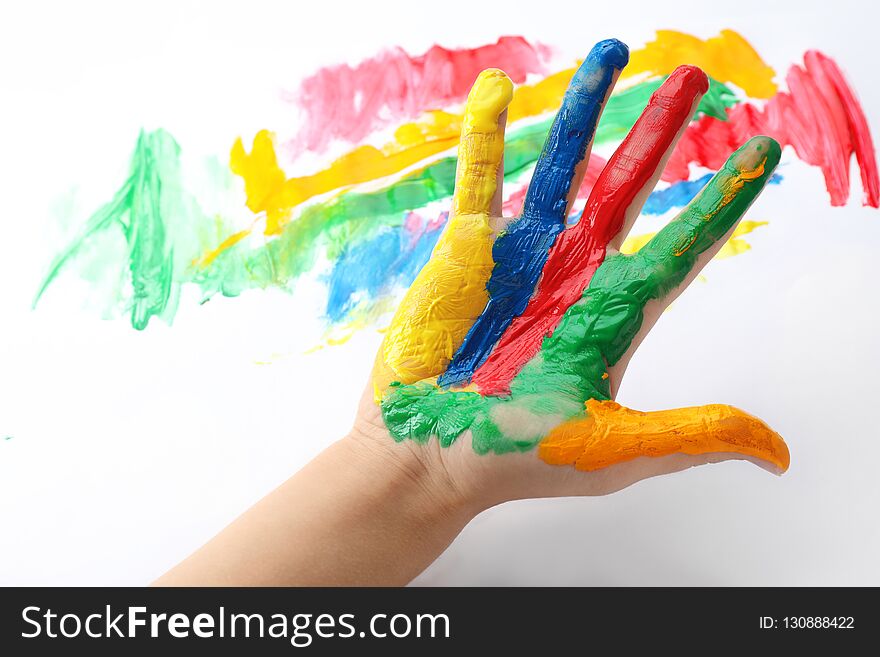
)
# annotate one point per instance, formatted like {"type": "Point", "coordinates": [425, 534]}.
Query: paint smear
{"type": "Point", "coordinates": [728, 57]}
{"type": "Point", "coordinates": [819, 117]}
{"type": "Point", "coordinates": [271, 193]}
{"type": "Point", "coordinates": [157, 218]}
{"type": "Point", "coordinates": [350, 102]}
{"type": "Point", "coordinates": [376, 212]}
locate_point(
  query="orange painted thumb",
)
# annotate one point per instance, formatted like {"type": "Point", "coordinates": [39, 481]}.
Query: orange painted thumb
{"type": "Point", "coordinates": [611, 433]}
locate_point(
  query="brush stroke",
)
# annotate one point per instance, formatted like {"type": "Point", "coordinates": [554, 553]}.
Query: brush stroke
{"type": "Point", "coordinates": [212, 253]}
{"type": "Point", "coordinates": [350, 102]}
{"type": "Point", "coordinates": [727, 57]}
{"type": "Point", "coordinates": [154, 214]}
{"type": "Point", "coordinates": [270, 192]}
{"type": "Point", "coordinates": [819, 116]}
{"type": "Point", "coordinates": [374, 267]}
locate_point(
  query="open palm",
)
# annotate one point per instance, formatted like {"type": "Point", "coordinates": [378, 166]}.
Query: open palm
{"type": "Point", "coordinates": [514, 338]}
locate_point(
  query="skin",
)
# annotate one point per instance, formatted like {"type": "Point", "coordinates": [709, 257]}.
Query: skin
{"type": "Point", "coordinates": [422, 460]}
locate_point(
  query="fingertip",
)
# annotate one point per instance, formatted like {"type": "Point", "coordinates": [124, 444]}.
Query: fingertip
{"type": "Point", "coordinates": [598, 70]}
{"type": "Point", "coordinates": [754, 440]}
{"type": "Point", "coordinates": [496, 82]}
{"type": "Point", "coordinates": [610, 52]}
{"type": "Point", "coordinates": [768, 148]}
{"type": "Point", "coordinates": [690, 78]}
{"type": "Point", "coordinates": [755, 160]}
{"type": "Point", "coordinates": [490, 95]}
{"type": "Point", "coordinates": [781, 455]}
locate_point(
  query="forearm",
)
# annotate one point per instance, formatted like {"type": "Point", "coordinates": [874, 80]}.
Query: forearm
{"type": "Point", "coordinates": [360, 513]}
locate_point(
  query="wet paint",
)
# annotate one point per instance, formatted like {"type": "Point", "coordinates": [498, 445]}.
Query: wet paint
{"type": "Point", "coordinates": [580, 250]}
{"type": "Point", "coordinates": [392, 258]}
{"type": "Point", "coordinates": [521, 250]}
{"type": "Point", "coordinates": [269, 191]}
{"type": "Point", "coordinates": [680, 194]}
{"type": "Point", "coordinates": [153, 212]}
{"type": "Point", "coordinates": [450, 291]}
{"type": "Point", "coordinates": [610, 434]}
{"type": "Point", "coordinates": [819, 117]}
{"type": "Point", "coordinates": [594, 333]}
{"type": "Point", "coordinates": [727, 57]}
{"type": "Point", "coordinates": [735, 245]}
{"type": "Point", "coordinates": [218, 252]}
{"type": "Point", "coordinates": [347, 103]}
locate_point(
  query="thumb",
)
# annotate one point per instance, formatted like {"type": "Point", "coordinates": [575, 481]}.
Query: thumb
{"type": "Point", "coordinates": [611, 434]}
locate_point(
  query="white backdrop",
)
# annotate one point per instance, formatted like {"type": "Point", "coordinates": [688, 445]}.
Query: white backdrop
{"type": "Point", "coordinates": [127, 450]}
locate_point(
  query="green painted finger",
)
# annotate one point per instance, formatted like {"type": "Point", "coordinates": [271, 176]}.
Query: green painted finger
{"type": "Point", "coordinates": [671, 254]}
{"type": "Point", "coordinates": [598, 330]}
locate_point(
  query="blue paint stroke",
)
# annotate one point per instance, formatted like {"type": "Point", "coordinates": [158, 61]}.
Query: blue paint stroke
{"type": "Point", "coordinates": [372, 268]}
{"type": "Point", "coordinates": [681, 193]}
{"type": "Point", "coordinates": [521, 252]}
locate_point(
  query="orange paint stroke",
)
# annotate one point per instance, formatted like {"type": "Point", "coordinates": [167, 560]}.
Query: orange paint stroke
{"type": "Point", "coordinates": [611, 433]}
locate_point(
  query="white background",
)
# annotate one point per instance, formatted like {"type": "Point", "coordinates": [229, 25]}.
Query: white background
{"type": "Point", "coordinates": [130, 449]}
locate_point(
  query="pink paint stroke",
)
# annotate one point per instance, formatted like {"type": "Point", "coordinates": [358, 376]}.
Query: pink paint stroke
{"type": "Point", "coordinates": [348, 103]}
{"type": "Point", "coordinates": [820, 117]}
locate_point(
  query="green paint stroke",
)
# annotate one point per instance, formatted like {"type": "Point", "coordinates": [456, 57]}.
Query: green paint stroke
{"type": "Point", "coordinates": [165, 231]}
{"type": "Point", "coordinates": [158, 220]}
{"type": "Point", "coordinates": [593, 334]}
{"type": "Point", "coordinates": [353, 217]}
{"type": "Point", "coordinates": [624, 108]}
{"type": "Point", "coordinates": [346, 220]}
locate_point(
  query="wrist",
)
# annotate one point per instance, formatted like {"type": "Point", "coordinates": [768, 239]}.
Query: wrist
{"type": "Point", "coordinates": [418, 475]}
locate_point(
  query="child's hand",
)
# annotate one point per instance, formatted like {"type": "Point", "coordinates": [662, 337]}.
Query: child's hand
{"type": "Point", "coordinates": [504, 357]}
{"type": "Point", "coordinates": [496, 377]}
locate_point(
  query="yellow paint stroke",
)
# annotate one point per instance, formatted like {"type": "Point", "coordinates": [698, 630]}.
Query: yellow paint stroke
{"type": "Point", "coordinates": [540, 98]}
{"type": "Point", "coordinates": [269, 191]}
{"type": "Point", "coordinates": [450, 291]}
{"type": "Point", "coordinates": [734, 246]}
{"type": "Point", "coordinates": [727, 57]}
{"type": "Point", "coordinates": [611, 433]}
{"type": "Point", "coordinates": [209, 257]}
{"type": "Point", "coordinates": [264, 180]}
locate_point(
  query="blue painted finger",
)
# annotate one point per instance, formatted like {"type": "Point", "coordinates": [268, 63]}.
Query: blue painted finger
{"type": "Point", "coordinates": [521, 251]}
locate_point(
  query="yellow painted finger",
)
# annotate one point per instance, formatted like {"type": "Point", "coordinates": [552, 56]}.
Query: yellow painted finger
{"type": "Point", "coordinates": [450, 291]}
{"type": "Point", "coordinates": [611, 433]}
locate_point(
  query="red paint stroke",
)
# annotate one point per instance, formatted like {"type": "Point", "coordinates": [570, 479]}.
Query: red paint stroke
{"type": "Point", "coordinates": [514, 203]}
{"type": "Point", "coordinates": [348, 103]}
{"type": "Point", "coordinates": [819, 116]}
{"type": "Point", "coordinates": [580, 250]}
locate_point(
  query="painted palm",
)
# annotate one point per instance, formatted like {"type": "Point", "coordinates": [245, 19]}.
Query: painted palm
{"type": "Point", "coordinates": [519, 331]}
